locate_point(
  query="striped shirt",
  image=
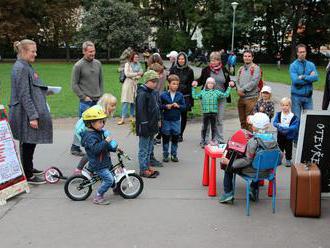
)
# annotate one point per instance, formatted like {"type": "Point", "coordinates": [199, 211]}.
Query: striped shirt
{"type": "Point", "coordinates": [210, 98]}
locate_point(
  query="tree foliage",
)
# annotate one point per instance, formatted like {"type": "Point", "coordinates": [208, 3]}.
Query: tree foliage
{"type": "Point", "coordinates": [114, 25]}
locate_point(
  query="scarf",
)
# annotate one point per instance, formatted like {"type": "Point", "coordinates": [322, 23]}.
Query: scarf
{"type": "Point", "coordinates": [216, 68]}
{"type": "Point", "coordinates": [136, 67]}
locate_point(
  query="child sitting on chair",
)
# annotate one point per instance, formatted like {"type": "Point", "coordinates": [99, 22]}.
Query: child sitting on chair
{"type": "Point", "coordinates": [261, 139]}
{"type": "Point", "coordinates": [97, 149]}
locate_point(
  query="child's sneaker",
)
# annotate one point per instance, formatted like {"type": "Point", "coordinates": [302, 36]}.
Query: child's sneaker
{"type": "Point", "coordinates": [166, 159]}
{"type": "Point", "coordinates": [227, 197]}
{"type": "Point", "coordinates": [154, 162]}
{"type": "Point", "coordinates": [100, 200]}
{"type": "Point", "coordinates": [174, 158]}
{"type": "Point", "coordinates": [288, 163]}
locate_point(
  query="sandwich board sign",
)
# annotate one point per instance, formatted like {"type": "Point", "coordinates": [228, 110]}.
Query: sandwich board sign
{"type": "Point", "coordinates": [314, 143]}
{"type": "Point", "coordinates": [12, 178]}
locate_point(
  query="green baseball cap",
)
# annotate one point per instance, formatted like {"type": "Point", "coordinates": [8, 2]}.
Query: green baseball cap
{"type": "Point", "coordinates": [150, 75]}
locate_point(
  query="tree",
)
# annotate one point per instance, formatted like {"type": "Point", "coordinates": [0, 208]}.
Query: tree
{"type": "Point", "coordinates": [217, 24]}
{"type": "Point", "coordinates": [114, 25]}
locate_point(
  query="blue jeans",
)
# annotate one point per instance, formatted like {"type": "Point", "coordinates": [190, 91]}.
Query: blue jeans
{"type": "Point", "coordinates": [107, 180]}
{"type": "Point", "coordinates": [228, 182]}
{"type": "Point", "coordinates": [84, 105]}
{"type": "Point", "coordinates": [166, 144]}
{"type": "Point", "coordinates": [300, 103]}
{"type": "Point", "coordinates": [124, 109]}
{"type": "Point", "coordinates": [145, 148]}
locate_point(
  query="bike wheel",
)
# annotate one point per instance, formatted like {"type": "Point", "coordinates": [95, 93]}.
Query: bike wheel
{"type": "Point", "coordinates": [133, 190]}
{"type": "Point", "coordinates": [75, 188]}
{"type": "Point", "coordinates": [52, 175]}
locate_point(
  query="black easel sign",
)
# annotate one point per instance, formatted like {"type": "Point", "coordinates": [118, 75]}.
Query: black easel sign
{"type": "Point", "coordinates": [314, 143]}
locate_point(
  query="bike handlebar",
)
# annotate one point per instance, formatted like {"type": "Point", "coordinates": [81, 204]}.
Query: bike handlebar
{"type": "Point", "coordinates": [121, 153]}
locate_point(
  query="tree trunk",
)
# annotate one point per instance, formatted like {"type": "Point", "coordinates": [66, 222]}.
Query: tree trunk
{"type": "Point", "coordinates": [108, 54]}
{"type": "Point", "coordinates": [67, 51]}
{"type": "Point", "coordinates": [295, 24]}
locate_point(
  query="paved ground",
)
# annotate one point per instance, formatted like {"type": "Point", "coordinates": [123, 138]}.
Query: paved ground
{"type": "Point", "coordinates": [173, 210]}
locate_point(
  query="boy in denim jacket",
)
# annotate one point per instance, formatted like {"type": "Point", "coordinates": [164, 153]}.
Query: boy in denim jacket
{"type": "Point", "coordinates": [172, 104]}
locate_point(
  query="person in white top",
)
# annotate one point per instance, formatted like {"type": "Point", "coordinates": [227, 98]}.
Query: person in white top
{"type": "Point", "coordinates": [287, 124]}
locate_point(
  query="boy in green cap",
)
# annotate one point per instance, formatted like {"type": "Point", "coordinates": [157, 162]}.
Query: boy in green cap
{"type": "Point", "coordinates": [147, 121]}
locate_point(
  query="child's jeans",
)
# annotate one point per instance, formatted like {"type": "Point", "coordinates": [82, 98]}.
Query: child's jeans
{"type": "Point", "coordinates": [166, 144]}
{"type": "Point", "coordinates": [107, 180]}
{"type": "Point", "coordinates": [170, 131]}
{"type": "Point", "coordinates": [228, 182]}
{"type": "Point", "coordinates": [209, 118]}
{"type": "Point", "coordinates": [145, 148]}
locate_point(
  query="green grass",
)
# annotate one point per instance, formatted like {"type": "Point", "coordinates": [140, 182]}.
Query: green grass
{"type": "Point", "coordinates": [65, 104]}
{"type": "Point", "coordinates": [270, 73]}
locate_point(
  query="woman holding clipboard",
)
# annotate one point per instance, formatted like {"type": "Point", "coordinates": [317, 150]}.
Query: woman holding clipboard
{"type": "Point", "coordinates": [29, 115]}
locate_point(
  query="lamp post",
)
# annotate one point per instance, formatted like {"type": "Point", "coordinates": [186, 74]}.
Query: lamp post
{"type": "Point", "coordinates": [234, 5]}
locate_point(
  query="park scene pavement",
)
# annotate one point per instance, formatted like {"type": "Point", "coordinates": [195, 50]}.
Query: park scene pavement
{"type": "Point", "coordinates": [174, 210]}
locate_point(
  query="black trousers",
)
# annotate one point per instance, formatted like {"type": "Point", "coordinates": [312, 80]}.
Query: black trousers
{"type": "Point", "coordinates": [26, 153]}
{"type": "Point", "coordinates": [209, 118]}
{"type": "Point", "coordinates": [285, 146]}
{"type": "Point", "coordinates": [183, 121]}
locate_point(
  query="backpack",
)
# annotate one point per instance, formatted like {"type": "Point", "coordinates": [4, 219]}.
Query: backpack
{"type": "Point", "coordinates": [260, 83]}
{"type": "Point", "coordinates": [261, 145]}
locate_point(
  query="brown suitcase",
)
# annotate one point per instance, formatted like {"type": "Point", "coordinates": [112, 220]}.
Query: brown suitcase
{"type": "Point", "coordinates": [305, 191]}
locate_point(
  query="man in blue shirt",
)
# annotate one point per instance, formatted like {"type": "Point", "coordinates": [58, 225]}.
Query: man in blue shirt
{"type": "Point", "coordinates": [303, 74]}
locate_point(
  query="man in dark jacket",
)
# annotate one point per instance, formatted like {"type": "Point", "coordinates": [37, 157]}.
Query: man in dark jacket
{"type": "Point", "coordinates": [147, 121]}
{"type": "Point", "coordinates": [326, 95]}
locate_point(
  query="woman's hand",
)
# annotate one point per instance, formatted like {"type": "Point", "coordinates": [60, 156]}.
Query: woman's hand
{"type": "Point", "coordinates": [194, 83]}
{"type": "Point", "coordinates": [34, 124]}
{"type": "Point", "coordinates": [169, 106]}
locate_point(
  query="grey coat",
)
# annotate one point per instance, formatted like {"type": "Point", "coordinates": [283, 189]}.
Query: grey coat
{"type": "Point", "coordinates": [28, 102]}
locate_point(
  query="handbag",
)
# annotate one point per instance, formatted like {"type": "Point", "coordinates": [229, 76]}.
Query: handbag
{"type": "Point", "coordinates": [122, 76]}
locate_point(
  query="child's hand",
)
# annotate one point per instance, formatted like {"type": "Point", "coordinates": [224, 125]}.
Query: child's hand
{"type": "Point", "coordinates": [248, 119]}
{"type": "Point", "coordinates": [194, 83]}
{"type": "Point", "coordinates": [108, 139]}
{"type": "Point", "coordinates": [175, 105]}
{"type": "Point", "coordinates": [232, 84]}
{"type": "Point", "coordinates": [169, 106]}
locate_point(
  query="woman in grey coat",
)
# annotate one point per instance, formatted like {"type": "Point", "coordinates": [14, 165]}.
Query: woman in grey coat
{"type": "Point", "coordinates": [29, 116]}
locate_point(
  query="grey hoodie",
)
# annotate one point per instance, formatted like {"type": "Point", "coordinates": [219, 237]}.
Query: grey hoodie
{"type": "Point", "coordinates": [251, 149]}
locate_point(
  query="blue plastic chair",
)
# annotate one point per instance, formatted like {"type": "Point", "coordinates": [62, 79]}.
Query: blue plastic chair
{"type": "Point", "coordinates": [264, 160]}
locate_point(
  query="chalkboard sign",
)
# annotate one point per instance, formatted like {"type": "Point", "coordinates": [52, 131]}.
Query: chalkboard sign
{"type": "Point", "coordinates": [12, 179]}
{"type": "Point", "coordinates": [314, 143]}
